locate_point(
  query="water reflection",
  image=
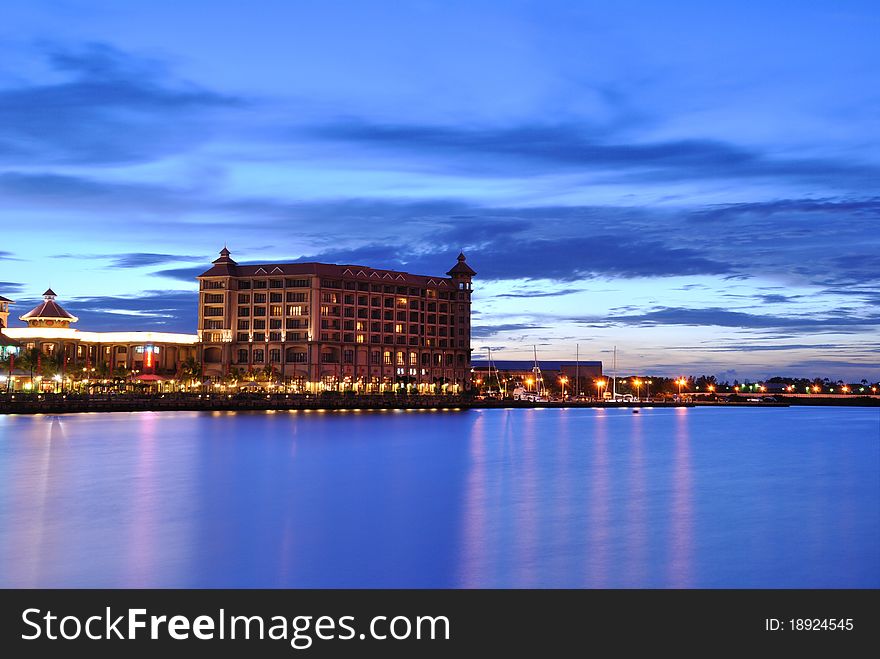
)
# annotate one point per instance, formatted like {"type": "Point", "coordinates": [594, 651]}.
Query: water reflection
{"type": "Point", "coordinates": [681, 507]}
{"type": "Point", "coordinates": [635, 570]}
{"type": "Point", "coordinates": [598, 519]}
{"type": "Point", "coordinates": [490, 498]}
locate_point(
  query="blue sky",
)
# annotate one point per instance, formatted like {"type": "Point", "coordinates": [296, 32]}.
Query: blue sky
{"type": "Point", "coordinates": [697, 183]}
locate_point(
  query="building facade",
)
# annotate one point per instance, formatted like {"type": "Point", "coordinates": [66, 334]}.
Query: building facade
{"type": "Point", "coordinates": [320, 326]}
{"type": "Point", "coordinates": [151, 355]}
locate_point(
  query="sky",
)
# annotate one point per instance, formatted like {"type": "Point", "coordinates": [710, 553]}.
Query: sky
{"type": "Point", "coordinates": [696, 183]}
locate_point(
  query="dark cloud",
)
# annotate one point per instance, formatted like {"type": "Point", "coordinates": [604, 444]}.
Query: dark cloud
{"type": "Point", "coordinates": [841, 321]}
{"type": "Point", "coordinates": [758, 347]}
{"type": "Point", "coordinates": [562, 243]}
{"type": "Point", "coordinates": [10, 287]}
{"type": "Point", "coordinates": [564, 291]}
{"type": "Point", "coordinates": [161, 311]}
{"type": "Point", "coordinates": [855, 208]}
{"type": "Point", "coordinates": [183, 274]}
{"type": "Point", "coordinates": [8, 256]}
{"type": "Point", "coordinates": [868, 370]}
{"type": "Point", "coordinates": [776, 298]}
{"type": "Point", "coordinates": [111, 108]}
{"type": "Point", "coordinates": [142, 259]}
{"type": "Point", "coordinates": [585, 147]}
{"type": "Point", "coordinates": [515, 256]}
{"type": "Point", "coordinates": [485, 331]}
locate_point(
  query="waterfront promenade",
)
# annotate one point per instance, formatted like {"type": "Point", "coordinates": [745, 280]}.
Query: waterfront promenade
{"type": "Point", "coordinates": [113, 402]}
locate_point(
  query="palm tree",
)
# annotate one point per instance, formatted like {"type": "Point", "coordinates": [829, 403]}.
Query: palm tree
{"type": "Point", "coordinates": [231, 378]}
{"type": "Point", "coordinates": [28, 361]}
{"type": "Point", "coordinates": [190, 370]}
{"type": "Point", "coordinates": [269, 372]}
{"type": "Point", "coordinates": [7, 361]}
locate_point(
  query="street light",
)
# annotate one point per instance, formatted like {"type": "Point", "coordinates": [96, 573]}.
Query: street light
{"type": "Point", "coordinates": [529, 382]}
{"type": "Point", "coordinates": [562, 381]}
{"type": "Point", "coordinates": [648, 390]}
{"type": "Point", "coordinates": [638, 384]}
{"type": "Point", "coordinates": [599, 384]}
{"type": "Point", "coordinates": [680, 383]}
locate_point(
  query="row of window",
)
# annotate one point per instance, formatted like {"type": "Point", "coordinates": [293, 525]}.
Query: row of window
{"type": "Point", "coordinates": [386, 358]}
{"type": "Point", "coordinates": [244, 284]}
{"type": "Point", "coordinates": [274, 323]}
{"type": "Point", "coordinates": [278, 311]}
{"type": "Point", "coordinates": [258, 284]}
{"type": "Point", "coordinates": [334, 337]}
{"type": "Point", "coordinates": [261, 298]}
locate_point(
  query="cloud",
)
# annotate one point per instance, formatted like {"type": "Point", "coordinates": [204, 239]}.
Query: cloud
{"type": "Point", "coordinates": [576, 146]}
{"type": "Point", "coordinates": [776, 298]}
{"type": "Point", "coordinates": [824, 366]}
{"type": "Point", "coordinates": [8, 256]}
{"type": "Point", "coordinates": [756, 240]}
{"type": "Point", "coordinates": [522, 256]}
{"type": "Point", "coordinates": [758, 347]}
{"type": "Point", "coordinates": [183, 274]}
{"type": "Point", "coordinates": [142, 259]}
{"type": "Point", "coordinates": [528, 294]}
{"type": "Point", "coordinates": [868, 208]}
{"type": "Point", "coordinates": [841, 321]}
{"type": "Point", "coordinates": [485, 331]}
{"type": "Point", "coordinates": [167, 311]}
{"type": "Point", "coordinates": [10, 287]}
{"type": "Point", "coordinates": [111, 108]}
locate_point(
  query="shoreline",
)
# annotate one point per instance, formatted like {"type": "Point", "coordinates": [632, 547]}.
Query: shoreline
{"type": "Point", "coordinates": [61, 404]}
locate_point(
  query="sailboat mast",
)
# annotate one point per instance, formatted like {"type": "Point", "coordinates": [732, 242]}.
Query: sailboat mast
{"type": "Point", "coordinates": [614, 376]}
{"type": "Point", "coordinates": [577, 370]}
{"type": "Point", "coordinates": [489, 383]}
{"type": "Point", "coordinates": [539, 385]}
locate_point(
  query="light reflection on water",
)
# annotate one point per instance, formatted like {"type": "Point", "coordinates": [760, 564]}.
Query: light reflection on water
{"type": "Point", "coordinates": [671, 498]}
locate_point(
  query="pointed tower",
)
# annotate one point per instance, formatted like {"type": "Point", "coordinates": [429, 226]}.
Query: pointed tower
{"type": "Point", "coordinates": [216, 306]}
{"type": "Point", "coordinates": [48, 313]}
{"type": "Point", "coordinates": [461, 274]}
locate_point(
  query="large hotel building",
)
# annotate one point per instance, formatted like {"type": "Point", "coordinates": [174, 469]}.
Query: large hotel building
{"type": "Point", "coordinates": [323, 326]}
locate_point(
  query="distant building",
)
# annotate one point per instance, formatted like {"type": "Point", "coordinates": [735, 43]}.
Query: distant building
{"type": "Point", "coordinates": [49, 331]}
{"type": "Point", "coordinates": [321, 326]}
{"type": "Point", "coordinates": [551, 370]}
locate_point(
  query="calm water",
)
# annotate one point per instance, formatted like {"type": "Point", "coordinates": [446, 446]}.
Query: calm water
{"type": "Point", "coordinates": [485, 498]}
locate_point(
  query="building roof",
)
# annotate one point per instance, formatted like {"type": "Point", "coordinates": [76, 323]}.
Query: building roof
{"type": "Point", "coordinates": [6, 341]}
{"type": "Point", "coordinates": [4, 299]}
{"type": "Point", "coordinates": [461, 268]}
{"type": "Point", "coordinates": [49, 309]}
{"type": "Point", "coordinates": [226, 267]}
